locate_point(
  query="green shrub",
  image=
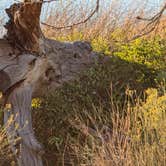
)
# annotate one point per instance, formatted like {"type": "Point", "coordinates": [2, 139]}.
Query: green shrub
{"type": "Point", "coordinates": [102, 45]}
{"type": "Point", "coordinates": [150, 124]}
{"type": "Point", "coordinates": [150, 52]}
{"type": "Point", "coordinates": [137, 133]}
{"type": "Point", "coordinates": [87, 100]}
{"type": "Point", "coordinates": [75, 36]}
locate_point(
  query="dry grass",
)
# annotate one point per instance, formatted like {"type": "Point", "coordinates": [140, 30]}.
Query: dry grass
{"type": "Point", "coordinates": [6, 156]}
{"type": "Point", "coordinates": [114, 18]}
{"type": "Point", "coordinates": [137, 136]}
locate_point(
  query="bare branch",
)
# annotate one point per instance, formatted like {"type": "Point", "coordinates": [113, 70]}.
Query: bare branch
{"type": "Point", "coordinates": [78, 23]}
{"type": "Point", "coordinates": [37, 1]}
{"type": "Point", "coordinates": [49, 1]}
{"type": "Point", "coordinates": [156, 16]}
{"type": "Point", "coordinates": [152, 24]}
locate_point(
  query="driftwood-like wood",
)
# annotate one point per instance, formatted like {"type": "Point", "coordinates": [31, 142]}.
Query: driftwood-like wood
{"type": "Point", "coordinates": [38, 76]}
{"type": "Point", "coordinates": [28, 70]}
{"type": "Point", "coordinates": [30, 66]}
{"type": "Point", "coordinates": [23, 27]}
{"type": "Point", "coordinates": [28, 151]}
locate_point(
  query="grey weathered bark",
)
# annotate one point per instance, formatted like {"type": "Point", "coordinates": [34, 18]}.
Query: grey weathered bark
{"type": "Point", "coordinates": [29, 150]}
{"type": "Point", "coordinates": [27, 76]}
{"type": "Point", "coordinates": [22, 78]}
{"type": "Point", "coordinates": [30, 65]}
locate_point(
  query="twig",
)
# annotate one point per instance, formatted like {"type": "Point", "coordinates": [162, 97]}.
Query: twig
{"type": "Point", "coordinates": [78, 23]}
{"type": "Point", "coordinates": [153, 23]}
{"type": "Point", "coordinates": [32, 1]}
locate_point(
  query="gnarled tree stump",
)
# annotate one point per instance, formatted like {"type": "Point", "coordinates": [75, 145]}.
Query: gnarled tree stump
{"type": "Point", "coordinates": [30, 65]}
{"type": "Point", "coordinates": [21, 79]}
{"type": "Point", "coordinates": [28, 76]}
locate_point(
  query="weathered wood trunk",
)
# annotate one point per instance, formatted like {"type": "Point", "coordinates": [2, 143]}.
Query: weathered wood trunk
{"type": "Point", "coordinates": [20, 73]}
{"type": "Point", "coordinates": [30, 65]}
{"type": "Point", "coordinates": [26, 76]}
{"type": "Point", "coordinates": [18, 93]}
{"type": "Point", "coordinates": [28, 151]}
{"type": "Point", "coordinates": [23, 27]}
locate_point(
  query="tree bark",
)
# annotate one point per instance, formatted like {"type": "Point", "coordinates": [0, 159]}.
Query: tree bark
{"type": "Point", "coordinates": [26, 76]}
{"type": "Point", "coordinates": [29, 66]}
{"type": "Point", "coordinates": [28, 151]}
{"type": "Point", "coordinates": [23, 27]}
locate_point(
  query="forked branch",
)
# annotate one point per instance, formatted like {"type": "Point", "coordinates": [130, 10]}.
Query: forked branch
{"type": "Point", "coordinates": [77, 23]}
{"type": "Point", "coordinates": [152, 24]}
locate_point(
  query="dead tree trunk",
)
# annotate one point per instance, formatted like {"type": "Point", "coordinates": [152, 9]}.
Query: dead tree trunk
{"type": "Point", "coordinates": [18, 93]}
{"type": "Point", "coordinates": [29, 150]}
{"type": "Point", "coordinates": [29, 64]}
{"type": "Point", "coordinates": [23, 27]}
{"type": "Point", "coordinates": [19, 75]}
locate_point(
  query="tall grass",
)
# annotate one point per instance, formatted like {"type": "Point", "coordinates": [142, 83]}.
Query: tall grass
{"type": "Point", "coordinates": [130, 135]}
{"type": "Point", "coordinates": [105, 117]}
{"type": "Point", "coordinates": [6, 155]}
{"type": "Point", "coordinates": [115, 21]}
{"type": "Point", "coordinates": [136, 137]}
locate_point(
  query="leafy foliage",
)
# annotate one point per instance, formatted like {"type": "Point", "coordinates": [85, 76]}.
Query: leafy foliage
{"type": "Point", "coordinates": [88, 100]}
{"type": "Point", "coordinates": [111, 94]}
{"type": "Point", "coordinates": [150, 52]}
